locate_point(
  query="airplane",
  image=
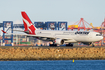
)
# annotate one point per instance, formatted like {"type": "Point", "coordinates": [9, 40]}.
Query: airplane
{"type": "Point", "coordinates": [59, 37]}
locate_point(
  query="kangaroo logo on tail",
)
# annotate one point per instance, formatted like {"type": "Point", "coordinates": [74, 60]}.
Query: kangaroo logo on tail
{"type": "Point", "coordinates": [28, 24]}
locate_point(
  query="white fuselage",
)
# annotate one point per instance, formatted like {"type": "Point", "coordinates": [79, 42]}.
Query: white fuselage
{"type": "Point", "coordinates": [59, 37]}
{"type": "Point", "coordinates": [72, 36]}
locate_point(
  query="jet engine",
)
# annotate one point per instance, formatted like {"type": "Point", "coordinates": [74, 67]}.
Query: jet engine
{"type": "Point", "coordinates": [59, 41]}
{"type": "Point", "coordinates": [86, 43]}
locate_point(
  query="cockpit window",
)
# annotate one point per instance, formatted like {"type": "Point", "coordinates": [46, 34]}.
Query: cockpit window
{"type": "Point", "coordinates": [98, 35]}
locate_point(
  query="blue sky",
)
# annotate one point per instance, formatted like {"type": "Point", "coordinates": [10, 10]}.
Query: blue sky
{"type": "Point", "coordinates": [93, 11]}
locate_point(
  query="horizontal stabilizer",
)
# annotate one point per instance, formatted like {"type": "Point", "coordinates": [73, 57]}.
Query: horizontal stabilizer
{"type": "Point", "coordinates": [3, 31]}
{"type": "Point", "coordinates": [19, 30]}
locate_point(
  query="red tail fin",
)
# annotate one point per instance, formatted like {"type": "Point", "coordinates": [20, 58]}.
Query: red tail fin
{"type": "Point", "coordinates": [28, 24]}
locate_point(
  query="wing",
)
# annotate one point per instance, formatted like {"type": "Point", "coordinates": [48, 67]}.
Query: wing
{"type": "Point", "coordinates": [31, 35]}
{"type": "Point", "coordinates": [40, 35]}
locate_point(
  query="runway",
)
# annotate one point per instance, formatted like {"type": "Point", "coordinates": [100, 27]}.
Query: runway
{"type": "Point", "coordinates": [49, 46]}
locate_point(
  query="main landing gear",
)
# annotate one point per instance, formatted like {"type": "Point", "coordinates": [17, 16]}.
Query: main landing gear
{"type": "Point", "coordinates": [70, 44]}
{"type": "Point", "coordinates": [53, 44]}
{"type": "Point", "coordinates": [93, 45]}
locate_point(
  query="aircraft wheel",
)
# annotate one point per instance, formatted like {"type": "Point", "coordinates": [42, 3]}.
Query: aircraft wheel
{"type": "Point", "coordinates": [93, 45]}
{"type": "Point", "coordinates": [71, 45]}
{"type": "Point", "coordinates": [53, 44]}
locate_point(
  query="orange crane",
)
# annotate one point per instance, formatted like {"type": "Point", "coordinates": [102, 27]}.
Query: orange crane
{"type": "Point", "coordinates": [81, 24]}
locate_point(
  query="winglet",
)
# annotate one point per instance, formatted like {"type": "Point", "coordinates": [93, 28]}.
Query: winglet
{"type": "Point", "coordinates": [3, 31]}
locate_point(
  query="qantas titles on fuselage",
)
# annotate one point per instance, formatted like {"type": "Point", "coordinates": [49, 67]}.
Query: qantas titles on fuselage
{"type": "Point", "coordinates": [83, 33]}
{"type": "Point", "coordinates": [77, 32]}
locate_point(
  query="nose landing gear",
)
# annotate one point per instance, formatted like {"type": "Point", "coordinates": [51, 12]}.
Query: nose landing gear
{"type": "Point", "coordinates": [93, 44]}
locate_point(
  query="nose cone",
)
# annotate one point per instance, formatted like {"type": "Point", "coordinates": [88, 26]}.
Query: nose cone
{"type": "Point", "coordinates": [101, 37]}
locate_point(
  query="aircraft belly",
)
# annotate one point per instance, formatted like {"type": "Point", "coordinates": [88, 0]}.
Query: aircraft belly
{"type": "Point", "coordinates": [70, 41]}
{"type": "Point", "coordinates": [82, 39]}
{"type": "Point", "coordinates": [62, 36]}
{"type": "Point", "coordinates": [91, 39]}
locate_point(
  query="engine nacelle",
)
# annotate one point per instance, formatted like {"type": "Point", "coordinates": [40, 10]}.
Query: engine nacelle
{"type": "Point", "coordinates": [87, 43]}
{"type": "Point", "coordinates": [59, 41]}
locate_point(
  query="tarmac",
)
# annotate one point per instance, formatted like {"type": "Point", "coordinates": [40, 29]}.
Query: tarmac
{"type": "Point", "coordinates": [50, 46]}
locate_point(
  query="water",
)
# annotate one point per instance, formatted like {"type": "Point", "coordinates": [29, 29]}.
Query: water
{"type": "Point", "coordinates": [53, 65]}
